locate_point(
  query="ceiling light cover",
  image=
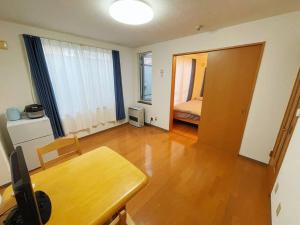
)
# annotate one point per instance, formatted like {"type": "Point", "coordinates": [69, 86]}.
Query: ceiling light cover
{"type": "Point", "coordinates": [131, 12]}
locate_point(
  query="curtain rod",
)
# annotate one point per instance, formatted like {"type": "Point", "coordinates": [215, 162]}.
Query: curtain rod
{"type": "Point", "coordinates": [76, 43]}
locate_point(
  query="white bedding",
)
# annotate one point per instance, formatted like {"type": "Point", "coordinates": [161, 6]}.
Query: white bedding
{"type": "Point", "coordinates": [193, 107]}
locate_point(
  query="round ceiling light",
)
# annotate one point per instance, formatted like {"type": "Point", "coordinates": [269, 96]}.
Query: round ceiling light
{"type": "Point", "coordinates": [131, 12]}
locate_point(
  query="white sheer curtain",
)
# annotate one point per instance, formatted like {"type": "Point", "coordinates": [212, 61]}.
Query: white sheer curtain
{"type": "Point", "coordinates": [182, 79]}
{"type": "Point", "coordinates": [83, 82]}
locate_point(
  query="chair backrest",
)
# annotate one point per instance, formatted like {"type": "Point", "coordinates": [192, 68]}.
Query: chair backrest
{"type": "Point", "coordinates": [57, 145]}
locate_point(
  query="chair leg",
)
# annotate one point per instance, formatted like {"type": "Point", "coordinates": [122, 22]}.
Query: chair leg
{"type": "Point", "coordinates": [122, 217]}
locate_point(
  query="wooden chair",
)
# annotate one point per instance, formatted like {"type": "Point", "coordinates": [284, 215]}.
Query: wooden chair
{"type": "Point", "coordinates": [57, 145]}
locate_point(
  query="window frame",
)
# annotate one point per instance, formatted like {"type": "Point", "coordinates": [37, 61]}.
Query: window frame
{"type": "Point", "coordinates": [141, 77]}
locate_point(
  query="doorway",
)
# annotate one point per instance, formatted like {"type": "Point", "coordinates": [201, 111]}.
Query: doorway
{"type": "Point", "coordinates": [285, 133]}
{"type": "Point", "coordinates": [188, 93]}
{"type": "Point", "coordinates": [226, 92]}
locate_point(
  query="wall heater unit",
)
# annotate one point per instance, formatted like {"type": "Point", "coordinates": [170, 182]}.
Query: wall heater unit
{"type": "Point", "coordinates": [136, 116]}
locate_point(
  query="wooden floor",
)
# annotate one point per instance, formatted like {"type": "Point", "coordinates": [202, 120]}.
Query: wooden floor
{"type": "Point", "coordinates": [185, 129]}
{"type": "Point", "coordinates": [189, 184]}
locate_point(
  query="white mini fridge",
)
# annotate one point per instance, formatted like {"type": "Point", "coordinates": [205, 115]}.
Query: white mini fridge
{"type": "Point", "coordinates": [30, 134]}
{"type": "Point", "coordinates": [4, 167]}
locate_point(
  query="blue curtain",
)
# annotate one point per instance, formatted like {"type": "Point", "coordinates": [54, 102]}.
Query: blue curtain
{"type": "Point", "coordinates": [120, 111]}
{"type": "Point", "coordinates": [191, 87]}
{"type": "Point", "coordinates": [41, 78]}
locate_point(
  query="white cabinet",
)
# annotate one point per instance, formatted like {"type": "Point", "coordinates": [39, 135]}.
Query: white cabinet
{"type": "Point", "coordinates": [4, 167]}
{"type": "Point", "coordinates": [31, 134]}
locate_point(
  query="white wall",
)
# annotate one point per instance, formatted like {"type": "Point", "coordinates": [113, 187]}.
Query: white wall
{"type": "Point", "coordinates": [288, 193]}
{"type": "Point", "coordinates": [275, 79]}
{"type": "Point", "coordinates": [15, 87]}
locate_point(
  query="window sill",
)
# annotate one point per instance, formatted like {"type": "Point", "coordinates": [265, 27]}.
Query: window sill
{"type": "Point", "coordinates": [145, 102]}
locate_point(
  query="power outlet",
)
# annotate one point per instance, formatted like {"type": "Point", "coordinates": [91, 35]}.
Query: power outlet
{"type": "Point", "coordinates": [276, 188]}
{"type": "Point", "coordinates": [278, 209]}
{"type": "Point", "coordinates": [155, 118]}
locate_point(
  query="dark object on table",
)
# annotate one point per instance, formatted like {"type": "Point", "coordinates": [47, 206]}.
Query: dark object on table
{"type": "Point", "coordinates": [32, 208]}
{"type": "Point", "coordinates": [34, 111]}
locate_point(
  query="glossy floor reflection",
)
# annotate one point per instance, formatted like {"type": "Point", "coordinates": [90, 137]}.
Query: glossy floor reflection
{"type": "Point", "coordinates": [189, 184]}
{"type": "Point", "coordinates": [185, 129]}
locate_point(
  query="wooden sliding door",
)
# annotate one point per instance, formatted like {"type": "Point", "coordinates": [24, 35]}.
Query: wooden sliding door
{"type": "Point", "coordinates": [229, 84]}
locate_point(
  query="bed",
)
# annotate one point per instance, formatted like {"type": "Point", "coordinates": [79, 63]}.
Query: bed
{"type": "Point", "coordinates": [189, 111]}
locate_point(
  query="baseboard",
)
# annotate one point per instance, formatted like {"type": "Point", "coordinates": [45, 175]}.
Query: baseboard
{"type": "Point", "coordinates": [107, 129]}
{"type": "Point", "coordinates": [254, 160]}
{"type": "Point", "coordinates": [85, 133]}
{"type": "Point", "coordinates": [152, 125]}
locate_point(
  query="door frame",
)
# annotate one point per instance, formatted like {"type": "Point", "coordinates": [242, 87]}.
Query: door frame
{"type": "Point", "coordinates": [279, 151]}
{"type": "Point", "coordinates": [171, 115]}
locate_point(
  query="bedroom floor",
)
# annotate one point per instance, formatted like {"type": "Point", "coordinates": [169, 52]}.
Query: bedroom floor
{"type": "Point", "coordinates": [185, 129]}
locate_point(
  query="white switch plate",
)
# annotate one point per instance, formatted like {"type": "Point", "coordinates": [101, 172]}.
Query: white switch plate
{"type": "Point", "coordinates": [298, 112]}
{"type": "Point", "coordinates": [162, 72]}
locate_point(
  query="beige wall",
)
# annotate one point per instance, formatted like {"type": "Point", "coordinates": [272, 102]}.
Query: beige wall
{"type": "Point", "coordinates": [277, 73]}
{"type": "Point", "coordinates": [15, 85]}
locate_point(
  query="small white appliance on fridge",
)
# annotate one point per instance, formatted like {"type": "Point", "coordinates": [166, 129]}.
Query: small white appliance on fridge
{"type": "Point", "coordinates": [4, 167]}
{"type": "Point", "coordinates": [30, 134]}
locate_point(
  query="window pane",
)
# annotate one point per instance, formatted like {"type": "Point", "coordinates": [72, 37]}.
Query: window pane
{"type": "Point", "coordinates": [148, 59]}
{"type": "Point", "coordinates": [147, 83]}
{"type": "Point", "coordinates": [146, 76]}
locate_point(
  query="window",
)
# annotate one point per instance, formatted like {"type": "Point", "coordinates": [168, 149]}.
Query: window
{"type": "Point", "coordinates": [83, 83]}
{"type": "Point", "coordinates": [145, 77]}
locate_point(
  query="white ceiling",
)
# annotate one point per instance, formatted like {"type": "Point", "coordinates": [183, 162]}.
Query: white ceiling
{"type": "Point", "coordinates": [172, 18]}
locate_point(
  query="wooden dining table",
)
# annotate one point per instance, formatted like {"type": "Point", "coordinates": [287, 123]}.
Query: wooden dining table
{"type": "Point", "coordinates": [89, 189]}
